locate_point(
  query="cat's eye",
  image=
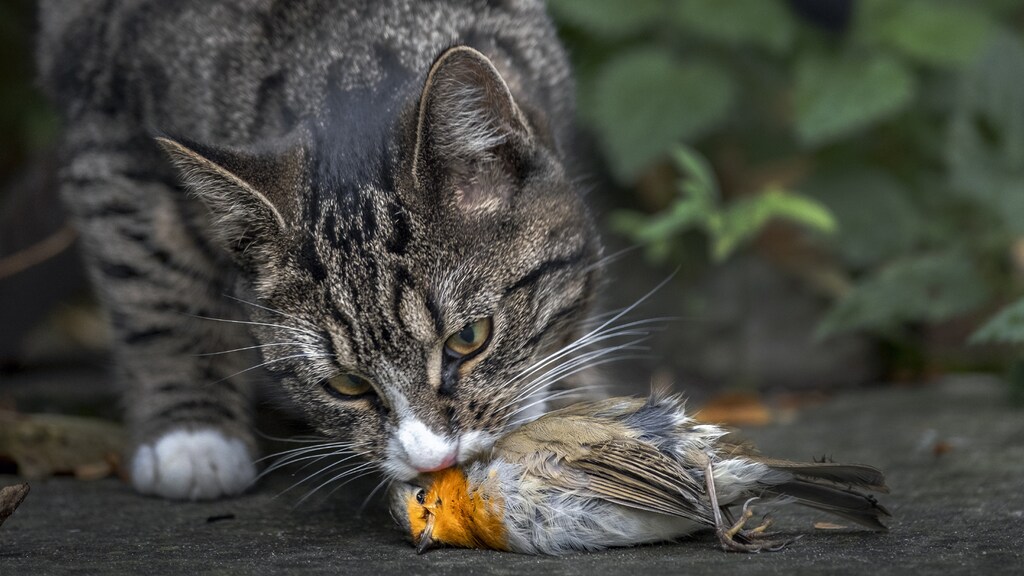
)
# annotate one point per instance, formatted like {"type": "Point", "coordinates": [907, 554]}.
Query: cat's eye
{"type": "Point", "coordinates": [348, 385]}
{"type": "Point", "coordinates": [470, 339]}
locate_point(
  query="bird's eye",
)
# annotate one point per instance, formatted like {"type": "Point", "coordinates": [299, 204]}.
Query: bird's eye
{"type": "Point", "coordinates": [421, 496]}
{"type": "Point", "coordinates": [471, 339]}
{"type": "Point", "coordinates": [348, 385]}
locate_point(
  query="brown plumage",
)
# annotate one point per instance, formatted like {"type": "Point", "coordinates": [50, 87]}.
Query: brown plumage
{"type": "Point", "coordinates": [624, 471]}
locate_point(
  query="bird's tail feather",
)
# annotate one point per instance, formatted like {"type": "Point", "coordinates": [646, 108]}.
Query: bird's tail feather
{"type": "Point", "coordinates": [850, 504]}
{"type": "Point", "coordinates": [834, 488]}
{"type": "Point", "coordinates": [857, 475]}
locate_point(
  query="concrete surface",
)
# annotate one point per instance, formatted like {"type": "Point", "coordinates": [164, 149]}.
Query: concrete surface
{"type": "Point", "coordinates": [953, 452]}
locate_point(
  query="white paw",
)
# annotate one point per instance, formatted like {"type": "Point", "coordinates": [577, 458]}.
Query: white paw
{"type": "Point", "coordinates": [193, 465]}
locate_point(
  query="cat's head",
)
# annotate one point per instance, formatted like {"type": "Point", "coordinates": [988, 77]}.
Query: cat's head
{"type": "Point", "coordinates": [413, 274]}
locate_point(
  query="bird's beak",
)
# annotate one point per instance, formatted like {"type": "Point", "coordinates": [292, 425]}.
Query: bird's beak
{"type": "Point", "coordinates": [426, 540]}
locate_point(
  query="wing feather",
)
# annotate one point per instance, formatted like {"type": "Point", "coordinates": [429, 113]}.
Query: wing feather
{"type": "Point", "coordinates": [638, 475]}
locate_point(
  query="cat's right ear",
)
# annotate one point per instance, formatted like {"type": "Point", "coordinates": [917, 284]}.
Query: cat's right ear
{"type": "Point", "coordinates": [471, 136]}
{"type": "Point", "coordinates": [252, 196]}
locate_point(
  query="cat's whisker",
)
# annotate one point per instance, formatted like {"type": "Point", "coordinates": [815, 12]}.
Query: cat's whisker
{"type": "Point", "coordinates": [545, 393]}
{"type": "Point", "coordinates": [296, 439]}
{"type": "Point", "coordinates": [344, 446]}
{"type": "Point", "coordinates": [352, 479]}
{"type": "Point", "coordinates": [592, 337]}
{"type": "Point", "coordinates": [603, 262]}
{"type": "Point", "coordinates": [607, 327]}
{"type": "Point", "coordinates": [273, 310]}
{"type": "Point", "coordinates": [265, 324]}
{"type": "Point", "coordinates": [385, 482]}
{"type": "Point", "coordinates": [255, 347]}
{"type": "Point", "coordinates": [314, 459]}
{"type": "Point", "coordinates": [653, 322]}
{"type": "Point", "coordinates": [595, 319]}
{"type": "Point", "coordinates": [326, 469]}
{"type": "Point", "coordinates": [272, 361]}
{"type": "Point", "coordinates": [581, 392]}
{"type": "Point", "coordinates": [632, 306]}
{"type": "Point", "coordinates": [305, 453]}
{"type": "Point", "coordinates": [575, 361]}
{"type": "Point", "coordinates": [605, 331]}
{"type": "Point", "coordinates": [542, 389]}
{"type": "Point", "coordinates": [351, 473]}
{"type": "Point", "coordinates": [582, 362]}
{"type": "Point", "coordinates": [577, 345]}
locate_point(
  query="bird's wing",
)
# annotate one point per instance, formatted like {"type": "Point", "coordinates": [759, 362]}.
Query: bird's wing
{"type": "Point", "coordinates": [637, 475]}
{"type": "Point", "coordinates": [607, 408]}
{"type": "Point", "coordinates": [556, 438]}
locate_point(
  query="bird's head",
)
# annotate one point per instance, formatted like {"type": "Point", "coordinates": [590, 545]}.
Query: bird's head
{"type": "Point", "coordinates": [447, 510]}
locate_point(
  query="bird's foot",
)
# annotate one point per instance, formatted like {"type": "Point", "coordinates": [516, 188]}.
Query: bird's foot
{"type": "Point", "coordinates": [750, 540]}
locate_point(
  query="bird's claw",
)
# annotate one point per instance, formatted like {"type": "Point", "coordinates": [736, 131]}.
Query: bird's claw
{"type": "Point", "coordinates": [753, 538]}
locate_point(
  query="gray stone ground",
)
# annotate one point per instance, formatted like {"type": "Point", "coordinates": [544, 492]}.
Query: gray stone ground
{"type": "Point", "coordinates": [959, 512]}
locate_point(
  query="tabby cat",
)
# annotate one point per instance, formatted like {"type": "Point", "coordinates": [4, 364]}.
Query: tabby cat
{"type": "Point", "coordinates": [373, 195]}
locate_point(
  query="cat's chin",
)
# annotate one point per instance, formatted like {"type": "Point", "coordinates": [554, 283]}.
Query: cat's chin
{"type": "Point", "coordinates": [192, 465]}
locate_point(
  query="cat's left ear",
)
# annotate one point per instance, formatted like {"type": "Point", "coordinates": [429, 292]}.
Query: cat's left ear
{"type": "Point", "coordinates": [253, 196]}
{"type": "Point", "coordinates": [471, 137]}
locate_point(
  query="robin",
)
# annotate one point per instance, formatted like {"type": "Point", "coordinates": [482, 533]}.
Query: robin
{"type": "Point", "coordinates": [620, 472]}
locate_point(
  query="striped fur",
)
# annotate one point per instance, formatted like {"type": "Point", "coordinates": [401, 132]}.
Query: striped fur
{"type": "Point", "coordinates": [359, 191]}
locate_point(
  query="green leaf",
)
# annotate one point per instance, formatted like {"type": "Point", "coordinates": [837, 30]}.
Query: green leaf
{"type": "Point", "coordinates": [1006, 327]}
{"type": "Point", "coordinates": [682, 215]}
{"type": "Point", "coordinates": [985, 143]}
{"type": "Point", "coordinates": [933, 33]}
{"type": "Point", "coordinates": [645, 102]}
{"type": "Point", "coordinates": [764, 23]}
{"type": "Point", "coordinates": [836, 97]}
{"type": "Point", "coordinates": [746, 217]}
{"type": "Point", "coordinates": [657, 232]}
{"type": "Point", "coordinates": [860, 199]}
{"type": "Point", "coordinates": [609, 18]}
{"type": "Point", "coordinates": [695, 208]}
{"type": "Point", "coordinates": [930, 288]}
{"type": "Point", "coordinates": [697, 179]}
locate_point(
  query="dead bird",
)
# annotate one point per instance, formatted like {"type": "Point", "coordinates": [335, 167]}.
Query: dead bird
{"type": "Point", "coordinates": [621, 472]}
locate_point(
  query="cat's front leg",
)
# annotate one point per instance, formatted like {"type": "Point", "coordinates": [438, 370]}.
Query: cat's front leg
{"type": "Point", "coordinates": [186, 405]}
{"type": "Point", "coordinates": [191, 426]}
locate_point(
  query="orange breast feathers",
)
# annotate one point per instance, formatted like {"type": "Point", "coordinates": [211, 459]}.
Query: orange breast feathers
{"type": "Point", "coordinates": [457, 514]}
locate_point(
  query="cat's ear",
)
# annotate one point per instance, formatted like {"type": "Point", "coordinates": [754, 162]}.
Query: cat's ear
{"type": "Point", "coordinates": [253, 196]}
{"type": "Point", "coordinates": [471, 137]}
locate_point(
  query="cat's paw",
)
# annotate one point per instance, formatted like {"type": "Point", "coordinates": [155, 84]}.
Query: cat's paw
{"type": "Point", "coordinates": [192, 465]}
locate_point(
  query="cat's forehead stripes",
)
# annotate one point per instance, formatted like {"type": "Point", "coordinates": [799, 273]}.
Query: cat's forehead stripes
{"type": "Point", "coordinates": [415, 316]}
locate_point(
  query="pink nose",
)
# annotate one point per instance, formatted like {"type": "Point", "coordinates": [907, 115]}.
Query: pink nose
{"type": "Point", "coordinates": [448, 461]}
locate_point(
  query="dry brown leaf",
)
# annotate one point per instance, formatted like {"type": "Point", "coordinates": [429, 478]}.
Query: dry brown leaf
{"type": "Point", "coordinates": [828, 526]}
{"type": "Point", "coordinates": [46, 444]}
{"type": "Point", "coordinates": [737, 409]}
{"type": "Point", "coordinates": [10, 498]}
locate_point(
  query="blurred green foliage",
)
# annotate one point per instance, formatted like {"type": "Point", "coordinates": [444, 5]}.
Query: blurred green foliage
{"type": "Point", "coordinates": [900, 123]}
{"type": "Point", "coordinates": [699, 206]}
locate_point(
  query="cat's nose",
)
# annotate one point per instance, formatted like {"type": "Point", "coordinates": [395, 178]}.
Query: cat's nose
{"type": "Point", "coordinates": [425, 450]}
